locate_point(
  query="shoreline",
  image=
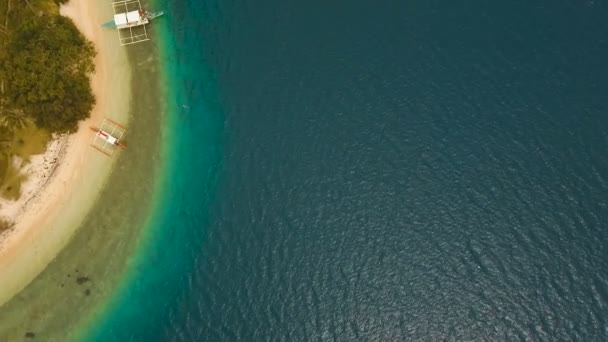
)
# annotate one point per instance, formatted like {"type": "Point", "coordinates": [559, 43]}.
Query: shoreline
{"type": "Point", "coordinates": [60, 199]}
{"type": "Point", "coordinates": [40, 171]}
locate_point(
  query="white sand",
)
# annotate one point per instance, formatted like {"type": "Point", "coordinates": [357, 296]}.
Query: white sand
{"type": "Point", "coordinates": [39, 171]}
{"type": "Point", "coordinates": [56, 200]}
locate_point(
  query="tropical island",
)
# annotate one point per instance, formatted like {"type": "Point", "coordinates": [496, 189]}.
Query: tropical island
{"type": "Point", "coordinates": [45, 90]}
{"type": "Point", "coordinates": [58, 70]}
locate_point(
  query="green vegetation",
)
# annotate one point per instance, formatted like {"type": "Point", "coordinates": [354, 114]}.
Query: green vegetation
{"type": "Point", "coordinates": [22, 143]}
{"type": "Point", "coordinates": [45, 64]}
{"type": "Point", "coordinates": [46, 69]}
{"type": "Point", "coordinates": [11, 186]}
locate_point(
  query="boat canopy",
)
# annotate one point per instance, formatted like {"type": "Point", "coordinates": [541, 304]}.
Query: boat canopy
{"type": "Point", "coordinates": [133, 16]}
{"type": "Point", "coordinates": [111, 139]}
{"type": "Point", "coordinates": [120, 19]}
{"type": "Point", "coordinates": [126, 18]}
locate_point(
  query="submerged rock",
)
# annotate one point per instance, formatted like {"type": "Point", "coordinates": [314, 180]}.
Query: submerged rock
{"type": "Point", "coordinates": [82, 280]}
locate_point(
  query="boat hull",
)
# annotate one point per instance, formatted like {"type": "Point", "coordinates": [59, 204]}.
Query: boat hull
{"type": "Point", "coordinates": [152, 15]}
{"type": "Point", "coordinates": [110, 24]}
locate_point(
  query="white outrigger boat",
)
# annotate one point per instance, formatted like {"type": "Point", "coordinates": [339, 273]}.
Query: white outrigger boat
{"type": "Point", "coordinates": [130, 21]}
{"type": "Point", "coordinates": [107, 137]}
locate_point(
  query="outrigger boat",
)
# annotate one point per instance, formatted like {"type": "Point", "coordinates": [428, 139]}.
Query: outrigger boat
{"type": "Point", "coordinates": [107, 137]}
{"type": "Point", "coordinates": [130, 21]}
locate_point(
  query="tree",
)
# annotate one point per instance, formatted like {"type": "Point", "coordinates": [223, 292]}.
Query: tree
{"type": "Point", "coordinates": [13, 119]}
{"type": "Point", "coordinates": [47, 65]}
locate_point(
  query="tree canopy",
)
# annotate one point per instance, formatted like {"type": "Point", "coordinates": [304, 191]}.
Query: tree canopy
{"type": "Point", "coordinates": [46, 67]}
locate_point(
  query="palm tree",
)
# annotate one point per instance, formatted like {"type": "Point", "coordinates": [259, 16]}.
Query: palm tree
{"type": "Point", "coordinates": [13, 119]}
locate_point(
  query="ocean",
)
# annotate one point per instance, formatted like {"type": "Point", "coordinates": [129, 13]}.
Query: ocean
{"type": "Point", "coordinates": [386, 171]}
{"type": "Point", "coordinates": [393, 171]}
{"type": "Point", "coordinates": [374, 171]}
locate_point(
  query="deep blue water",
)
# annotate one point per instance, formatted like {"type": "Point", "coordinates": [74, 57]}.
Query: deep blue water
{"type": "Point", "coordinates": [397, 170]}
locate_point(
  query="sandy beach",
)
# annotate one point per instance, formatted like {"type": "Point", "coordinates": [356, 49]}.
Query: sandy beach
{"type": "Point", "coordinates": [63, 184]}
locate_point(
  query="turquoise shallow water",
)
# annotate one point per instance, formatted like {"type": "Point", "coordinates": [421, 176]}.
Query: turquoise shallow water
{"type": "Point", "coordinates": [191, 149]}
